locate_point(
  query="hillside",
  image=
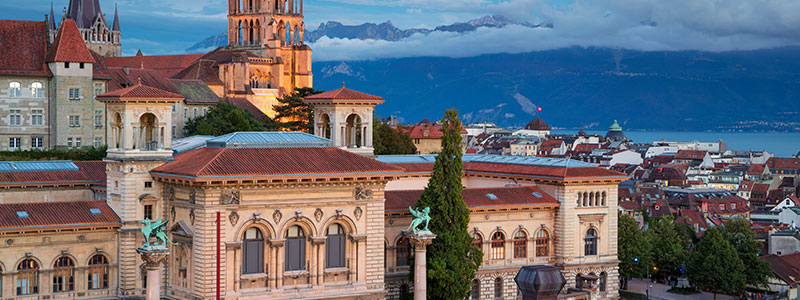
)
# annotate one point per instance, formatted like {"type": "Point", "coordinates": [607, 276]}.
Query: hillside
{"type": "Point", "coordinates": [679, 90]}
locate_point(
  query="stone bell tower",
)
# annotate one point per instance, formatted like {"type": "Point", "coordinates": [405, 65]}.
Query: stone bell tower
{"type": "Point", "coordinates": [345, 117]}
{"type": "Point", "coordinates": [139, 139]}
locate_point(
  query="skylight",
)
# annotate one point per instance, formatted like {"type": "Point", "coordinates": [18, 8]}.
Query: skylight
{"type": "Point", "coordinates": [95, 211]}
{"type": "Point", "coordinates": [491, 196]}
{"type": "Point", "coordinates": [537, 195]}
{"type": "Point", "coordinates": [23, 214]}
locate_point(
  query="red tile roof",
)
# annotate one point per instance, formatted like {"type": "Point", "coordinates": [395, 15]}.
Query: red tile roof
{"type": "Point", "coordinates": [691, 154]}
{"type": "Point", "coordinates": [756, 169]}
{"type": "Point", "coordinates": [427, 131]}
{"type": "Point", "coordinates": [786, 267]}
{"type": "Point", "coordinates": [100, 70]}
{"type": "Point", "coordinates": [149, 77]}
{"type": "Point", "coordinates": [760, 187]}
{"type": "Point", "coordinates": [140, 91]}
{"type": "Point", "coordinates": [205, 162]}
{"type": "Point", "coordinates": [548, 171]}
{"type": "Point", "coordinates": [537, 124]}
{"type": "Point", "coordinates": [203, 69]}
{"type": "Point", "coordinates": [89, 172]}
{"type": "Point", "coordinates": [54, 214]}
{"type": "Point", "coordinates": [23, 48]}
{"type": "Point", "coordinates": [692, 217]}
{"type": "Point", "coordinates": [166, 65]}
{"type": "Point", "coordinates": [343, 94]}
{"type": "Point", "coordinates": [69, 45]}
{"type": "Point", "coordinates": [505, 196]}
{"type": "Point", "coordinates": [746, 185]}
{"type": "Point", "coordinates": [783, 163]}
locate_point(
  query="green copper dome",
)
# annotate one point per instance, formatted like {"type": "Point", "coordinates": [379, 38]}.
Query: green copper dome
{"type": "Point", "coordinates": [615, 127]}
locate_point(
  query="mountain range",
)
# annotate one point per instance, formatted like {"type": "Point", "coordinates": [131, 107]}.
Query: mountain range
{"type": "Point", "coordinates": [756, 90]}
{"type": "Point", "coordinates": [383, 31]}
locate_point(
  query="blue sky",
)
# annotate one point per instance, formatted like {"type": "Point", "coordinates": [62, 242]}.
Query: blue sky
{"type": "Point", "coordinates": [169, 27]}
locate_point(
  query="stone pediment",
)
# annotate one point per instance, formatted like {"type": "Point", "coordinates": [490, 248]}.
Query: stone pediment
{"type": "Point", "coordinates": [182, 229]}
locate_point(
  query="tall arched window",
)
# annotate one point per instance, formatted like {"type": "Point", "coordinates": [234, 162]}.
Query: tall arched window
{"type": "Point", "coordinates": [542, 243]}
{"type": "Point", "coordinates": [402, 252]}
{"type": "Point", "coordinates": [477, 240]}
{"type": "Point", "coordinates": [475, 291]}
{"type": "Point", "coordinates": [63, 275]}
{"type": "Point", "coordinates": [295, 249]}
{"type": "Point", "coordinates": [498, 245]}
{"type": "Point", "coordinates": [335, 246]}
{"type": "Point", "coordinates": [578, 198]}
{"type": "Point", "coordinates": [253, 258]}
{"type": "Point", "coordinates": [597, 199]}
{"type": "Point", "coordinates": [520, 245]}
{"type": "Point", "coordinates": [498, 288]}
{"type": "Point", "coordinates": [590, 242]}
{"type": "Point", "coordinates": [14, 90]}
{"type": "Point", "coordinates": [585, 199]}
{"type": "Point", "coordinates": [603, 280]}
{"type": "Point", "coordinates": [591, 199]}
{"type": "Point", "coordinates": [604, 199]}
{"type": "Point", "coordinates": [36, 90]}
{"type": "Point", "coordinates": [98, 272]}
{"type": "Point", "coordinates": [28, 277]}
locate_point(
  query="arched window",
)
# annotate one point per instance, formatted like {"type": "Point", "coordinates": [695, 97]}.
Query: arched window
{"type": "Point", "coordinates": [335, 246]}
{"type": "Point", "coordinates": [297, 35]}
{"type": "Point", "coordinates": [520, 245]}
{"type": "Point", "coordinates": [477, 240]}
{"type": "Point", "coordinates": [498, 288]}
{"type": "Point", "coordinates": [63, 275]}
{"type": "Point", "coordinates": [603, 279]}
{"type": "Point", "coordinates": [591, 199]}
{"type": "Point", "coordinates": [498, 245]}
{"type": "Point", "coordinates": [402, 252]}
{"type": "Point", "coordinates": [604, 199]}
{"type": "Point", "coordinates": [585, 198]}
{"type": "Point", "coordinates": [578, 200]}
{"type": "Point", "coordinates": [14, 90]}
{"type": "Point", "coordinates": [542, 243]}
{"type": "Point", "coordinates": [597, 199]}
{"type": "Point", "coordinates": [253, 258]}
{"type": "Point", "coordinates": [28, 277]}
{"type": "Point", "coordinates": [295, 249]}
{"type": "Point", "coordinates": [36, 90]}
{"type": "Point", "coordinates": [98, 272]}
{"type": "Point", "coordinates": [475, 291]}
{"type": "Point", "coordinates": [590, 242]}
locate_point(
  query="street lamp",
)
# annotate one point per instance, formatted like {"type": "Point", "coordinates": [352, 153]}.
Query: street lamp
{"type": "Point", "coordinates": [648, 290]}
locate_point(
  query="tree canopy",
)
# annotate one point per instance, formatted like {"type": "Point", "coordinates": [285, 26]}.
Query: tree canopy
{"type": "Point", "coordinates": [670, 247]}
{"type": "Point", "coordinates": [222, 119]}
{"type": "Point", "coordinates": [635, 249]}
{"type": "Point", "coordinates": [452, 260]}
{"type": "Point", "coordinates": [715, 265]}
{"type": "Point", "coordinates": [389, 141]}
{"type": "Point", "coordinates": [292, 113]}
{"type": "Point", "coordinates": [739, 234]}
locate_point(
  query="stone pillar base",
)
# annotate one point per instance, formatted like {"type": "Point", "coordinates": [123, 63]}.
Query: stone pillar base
{"type": "Point", "coordinates": [420, 241]}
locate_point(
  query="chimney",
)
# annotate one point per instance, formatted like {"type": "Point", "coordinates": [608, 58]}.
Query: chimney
{"type": "Point", "coordinates": [126, 70]}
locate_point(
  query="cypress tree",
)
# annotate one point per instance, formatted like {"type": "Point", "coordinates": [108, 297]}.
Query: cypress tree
{"type": "Point", "coordinates": [452, 260]}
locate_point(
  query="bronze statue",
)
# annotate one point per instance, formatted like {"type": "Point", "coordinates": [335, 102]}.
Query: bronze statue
{"type": "Point", "coordinates": [155, 230]}
{"type": "Point", "coordinates": [419, 217]}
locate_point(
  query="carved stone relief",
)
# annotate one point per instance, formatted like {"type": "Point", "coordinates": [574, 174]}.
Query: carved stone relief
{"type": "Point", "coordinates": [234, 218]}
{"type": "Point", "coordinates": [361, 192]}
{"type": "Point", "coordinates": [276, 216]}
{"type": "Point", "coordinates": [357, 212]}
{"type": "Point", "coordinates": [318, 214]}
{"type": "Point", "coordinates": [229, 197]}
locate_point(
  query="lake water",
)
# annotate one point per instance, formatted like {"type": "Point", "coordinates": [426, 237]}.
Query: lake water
{"type": "Point", "coordinates": [781, 144]}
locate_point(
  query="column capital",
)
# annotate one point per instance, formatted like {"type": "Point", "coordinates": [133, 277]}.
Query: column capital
{"type": "Point", "coordinates": [422, 239]}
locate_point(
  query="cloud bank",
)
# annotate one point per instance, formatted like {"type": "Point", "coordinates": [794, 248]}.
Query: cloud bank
{"type": "Point", "coordinates": [649, 25]}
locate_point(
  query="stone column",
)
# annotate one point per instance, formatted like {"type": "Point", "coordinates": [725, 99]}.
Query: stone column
{"type": "Point", "coordinates": [420, 241]}
{"type": "Point", "coordinates": [152, 257]}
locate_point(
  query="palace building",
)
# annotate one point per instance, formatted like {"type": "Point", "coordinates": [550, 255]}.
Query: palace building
{"type": "Point", "coordinates": [301, 216]}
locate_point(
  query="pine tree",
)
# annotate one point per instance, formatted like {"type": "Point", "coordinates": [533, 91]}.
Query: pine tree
{"type": "Point", "coordinates": [292, 113]}
{"type": "Point", "coordinates": [452, 260]}
{"type": "Point", "coordinates": [222, 119]}
{"type": "Point", "coordinates": [715, 265]}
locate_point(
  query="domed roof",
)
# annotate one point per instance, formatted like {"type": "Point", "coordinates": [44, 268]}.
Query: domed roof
{"type": "Point", "coordinates": [615, 132]}
{"type": "Point", "coordinates": [537, 124]}
{"type": "Point", "coordinates": [581, 132]}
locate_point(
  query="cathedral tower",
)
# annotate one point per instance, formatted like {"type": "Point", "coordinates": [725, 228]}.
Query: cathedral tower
{"type": "Point", "coordinates": [93, 25]}
{"type": "Point", "coordinates": [272, 29]}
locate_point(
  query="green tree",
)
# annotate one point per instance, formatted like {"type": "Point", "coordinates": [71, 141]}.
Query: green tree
{"type": "Point", "coordinates": [390, 141]}
{"type": "Point", "coordinates": [292, 113]}
{"type": "Point", "coordinates": [715, 265]}
{"type": "Point", "coordinates": [222, 119]}
{"type": "Point", "coordinates": [670, 248]}
{"type": "Point", "coordinates": [742, 237]}
{"type": "Point", "coordinates": [634, 249]}
{"type": "Point", "coordinates": [452, 260]}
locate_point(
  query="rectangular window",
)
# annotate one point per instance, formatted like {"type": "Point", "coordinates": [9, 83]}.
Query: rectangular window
{"type": "Point", "coordinates": [205, 110]}
{"type": "Point", "coordinates": [194, 113]}
{"type": "Point", "coordinates": [81, 65]}
{"type": "Point", "coordinates": [14, 142]}
{"type": "Point", "coordinates": [14, 90]}
{"type": "Point", "coordinates": [74, 121]}
{"type": "Point", "coordinates": [148, 184]}
{"type": "Point", "coordinates": [15, 117]}
{"type": "Point", "coordinates": [66, 65]}
{"type": "Point", "coordinates": [74, 94]}
{"type": "Point", "coordinates": [37, 142]}
{"type": "Point", "coordinates": [148, 211]}
{"type": "Point", "coordinates": [98, 89]}
{"type": "Point", "coordinates": [77, 142]}
{"type": "Point", "coordinates": [69, 142]}
{"type": "Point", "coordinates": [37, 117]}
{"type": "Point", "coordinates": [98, 118]}
{"type": "Point", "coordinates": [173, 131]}
{"type": "Point", "coordinates": [98, 142]}
{"type": "Point", "coordinates": [185, 113]}
{"type": "Point", "coordinates": [174, 107]}
{"type": "Point", "coordinates": [36, 90]}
